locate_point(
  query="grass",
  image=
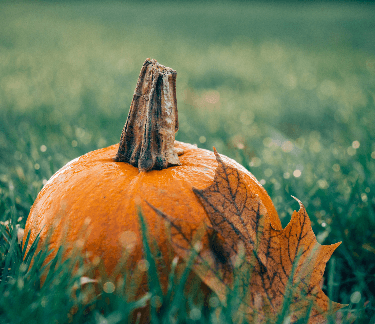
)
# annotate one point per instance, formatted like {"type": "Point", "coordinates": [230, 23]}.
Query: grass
{"type": "Point", "coordinates": [287, 91]}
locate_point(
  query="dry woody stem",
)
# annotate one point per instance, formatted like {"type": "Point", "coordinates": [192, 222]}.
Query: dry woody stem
{"type": "Point", "coordinates": [147, 140]}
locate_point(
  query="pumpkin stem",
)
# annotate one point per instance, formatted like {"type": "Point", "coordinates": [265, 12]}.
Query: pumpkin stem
{"type": "Point", "coordinates": [147, 140]}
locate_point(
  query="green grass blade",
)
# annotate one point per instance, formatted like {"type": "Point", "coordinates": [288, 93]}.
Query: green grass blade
{"type": "Point", "coordinates": [152, 273]}
{"type": "Point", "coordinates": [25, 244]}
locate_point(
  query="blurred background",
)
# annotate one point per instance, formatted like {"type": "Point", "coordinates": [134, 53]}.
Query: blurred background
{"type": "Point", "coordinates": [285, 88]}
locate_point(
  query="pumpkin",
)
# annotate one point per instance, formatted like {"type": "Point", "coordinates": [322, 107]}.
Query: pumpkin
{"type": "Point", "coordinates": [92, 202]}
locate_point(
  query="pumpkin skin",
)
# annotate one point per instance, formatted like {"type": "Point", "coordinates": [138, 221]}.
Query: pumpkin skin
{"type": "Point", "coordinates": [92, 202]}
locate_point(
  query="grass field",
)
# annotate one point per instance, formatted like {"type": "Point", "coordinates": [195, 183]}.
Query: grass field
{"type": "Point", "coordinates": [286, 90]}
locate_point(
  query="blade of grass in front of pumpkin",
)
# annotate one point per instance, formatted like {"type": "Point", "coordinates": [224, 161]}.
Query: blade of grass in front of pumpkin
{"type": "Point", "coordinates": [120, 265]}
{"type": "Point", "coordinates": [37, 268]}
{"type": "Point", "coordinates": [141, 302]}
{"type": "Point", "coordinates": [153, 277]}
{"type": "Point", "coordinates": [25, 245]}
{"type": "Point", "coordinates": [171, 279]}
{"type": "Point", "coordinates": [179, 290]}
{"type": "Point", "coordinates": [52, 268]}
{"type": "Point", "coordinates": [124, 303]}
{"type": "Point", "coordinates": [29, 255]}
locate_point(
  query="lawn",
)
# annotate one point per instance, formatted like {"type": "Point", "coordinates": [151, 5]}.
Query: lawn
{"type": "Point", "coordinates": [287, 90]}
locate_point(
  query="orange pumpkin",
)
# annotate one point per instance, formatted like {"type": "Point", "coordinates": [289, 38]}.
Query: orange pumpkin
{"type": "Point", "coordinates": [92, 201]}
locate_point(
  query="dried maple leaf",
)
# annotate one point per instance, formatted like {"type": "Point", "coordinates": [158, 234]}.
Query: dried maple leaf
{"type": "Point", "coordinates": [275, 271]}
